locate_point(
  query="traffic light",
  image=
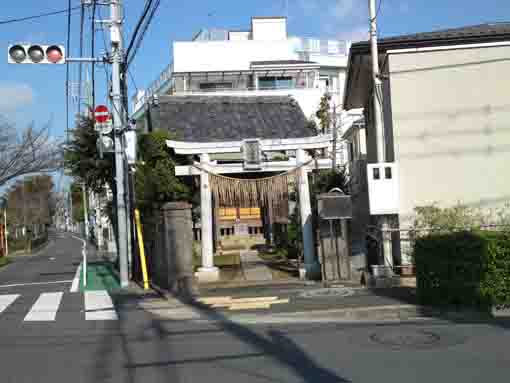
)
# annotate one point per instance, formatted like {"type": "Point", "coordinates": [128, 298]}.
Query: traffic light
{"type": "Point", "coordinates": [36, 54]}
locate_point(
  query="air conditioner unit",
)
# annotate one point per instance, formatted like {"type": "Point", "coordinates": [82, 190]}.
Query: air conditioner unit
{"type": "Point", "coordinates": [252, 154]}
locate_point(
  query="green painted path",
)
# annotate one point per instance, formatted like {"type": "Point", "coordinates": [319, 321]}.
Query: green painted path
{"type": "Point", "coordinates": [100, 276]}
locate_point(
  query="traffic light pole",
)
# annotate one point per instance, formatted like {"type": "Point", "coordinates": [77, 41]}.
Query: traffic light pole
{"type": "Point", "coordinates": [118, 125]}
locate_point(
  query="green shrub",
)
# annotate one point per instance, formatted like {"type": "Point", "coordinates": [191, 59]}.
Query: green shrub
{"type": "Point", "coordinates": [450, 218]}
{"type": "Point", "coordinates": [463, 268]}
{"type": "Point", "coordinates": [496, 284]}
{"type": "Point", "coordinates": [4, 261]}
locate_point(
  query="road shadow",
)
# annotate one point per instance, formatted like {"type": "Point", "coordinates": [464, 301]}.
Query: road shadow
{"type": "Point", "coordinates": [278, 346]}
{"type": "Point", "coordinates": [162, 361]}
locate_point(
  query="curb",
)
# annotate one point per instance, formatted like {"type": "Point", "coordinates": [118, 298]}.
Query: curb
{"type": "Point", "coordinates": [398, 313]}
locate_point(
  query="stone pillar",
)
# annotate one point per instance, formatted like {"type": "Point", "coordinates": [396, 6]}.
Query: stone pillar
{"type": "Point", "coordinates": [207, 272]}
{"type": "Point", "coordinates": [178, 250]}
{"type": "Point", "coordinates": [311, 265]}
{"type": "Point", "coordinates": [387, 246]}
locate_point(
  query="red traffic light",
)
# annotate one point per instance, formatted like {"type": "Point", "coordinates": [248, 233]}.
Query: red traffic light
{"type": "Point", "coordinates": [54, 54]}
{"type": "Point", "coordinates": [36, 54]}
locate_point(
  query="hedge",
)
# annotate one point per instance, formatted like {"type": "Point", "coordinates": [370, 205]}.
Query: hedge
{"type": "Point", "coordinates": [463, 268]}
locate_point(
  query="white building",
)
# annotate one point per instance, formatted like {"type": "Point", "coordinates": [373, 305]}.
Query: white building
{"type": "Point", "coordinates": [262, 60]}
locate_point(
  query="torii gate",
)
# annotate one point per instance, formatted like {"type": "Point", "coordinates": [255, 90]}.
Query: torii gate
{"type": "Point", "coordinates": [208, 272]}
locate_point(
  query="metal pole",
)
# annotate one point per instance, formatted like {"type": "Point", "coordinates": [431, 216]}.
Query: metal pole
{"type": "Point", "coordinates": [6, 232]}
{"type": "Point", "coordinates": [85, 210]}
{"type": "Point", "coordinates": [335, 137]}
{"type": "Point", "coordinates": [377, 90]}
{"type": "Point", "coordinates": [71, 209]}
{"type": "Point", "coordinates": [117, 57]}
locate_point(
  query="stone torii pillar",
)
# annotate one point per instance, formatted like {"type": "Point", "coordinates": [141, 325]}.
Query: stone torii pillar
{"type": "Point", "coordinates": [312, 266]}
{"type": "Point", "coordinates": [208, 272]}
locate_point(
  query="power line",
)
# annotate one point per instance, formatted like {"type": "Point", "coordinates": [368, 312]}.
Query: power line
{"type": "Point", "coordinates": [378, 9]}
{"type": "Point", "coordinates": [10, 21]}
{"type": "Point", "coordinates": [93, 52]}
{"type": "Point", "coordinates": [146, 8]}
{"type": "Point", "coordinates": [80, 67]}
{"type": "Point", "coordinates": [142, 35]}
{"type": "Point", "coordinates": [107, 74]}
{"type": "Point", "coordinates": [132, 79]}
{"type": "Point", "coordinates": [68, 47]}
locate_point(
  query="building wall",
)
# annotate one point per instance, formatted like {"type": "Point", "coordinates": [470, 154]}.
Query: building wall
{"type": "Point", "coordinates": [451, 111]}
{"type": "Point", "coordinates": [211, 56]}
{"type": "Point", "coordinates": [269, 29]}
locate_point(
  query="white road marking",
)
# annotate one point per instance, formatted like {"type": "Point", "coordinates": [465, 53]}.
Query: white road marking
{"type": "Point", "coordinates": [99, 306]}
{"type": "Point", "coordinates": [6, 300]}
{"type": "Point", "coordinates": [84, 259]}
{"type": "Point", "coordinates": [45, 308]}
{"type": "Point", "coordinates": [76, 280]}
{"type": "Point", "coordinates": [36, 283]}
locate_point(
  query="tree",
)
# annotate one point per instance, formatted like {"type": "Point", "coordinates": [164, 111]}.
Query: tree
{"type": "Point", "coordinates": [324, 113]}
{"type": "Point", "coordinates": [155, 172]}
{"type": "Point", "coordinates": [83, 160]}
{"type": "Point", "coordinates": [31, 151]}
{"type": "Point", "coordinates": [30, 202]}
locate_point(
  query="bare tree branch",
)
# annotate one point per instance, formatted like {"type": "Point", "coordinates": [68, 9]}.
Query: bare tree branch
{"type": "Point", "coordinates": [31, 151]}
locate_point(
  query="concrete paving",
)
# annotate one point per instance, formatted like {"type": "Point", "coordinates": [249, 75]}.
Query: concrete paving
{"type": "Point", "coordinates": [254, 268]}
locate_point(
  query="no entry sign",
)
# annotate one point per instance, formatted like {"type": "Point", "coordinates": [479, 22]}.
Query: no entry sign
{"type": "Point", "coordinates": [101, 114]}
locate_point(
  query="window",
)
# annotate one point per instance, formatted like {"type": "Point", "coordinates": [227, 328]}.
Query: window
{"type": "Point", "coordinates": [272, 82]}
{"type": "Point", "coordinates": [377, 174]}
{"type": "Point", "coordinates": [387, 173]}
{"type": "Point", "coordinates": [215, 85]}
{"type": "Point", "coordinates": [351, 151]}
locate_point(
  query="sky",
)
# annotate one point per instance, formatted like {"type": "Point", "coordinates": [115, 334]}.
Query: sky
{"type": "Point", "coordinates": [36, 93]}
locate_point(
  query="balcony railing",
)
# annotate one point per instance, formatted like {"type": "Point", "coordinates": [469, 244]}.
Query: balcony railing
{"type": "Point", "coordinates": [164, 80]}
{"type": "Point", "coordinates": [321, 47]}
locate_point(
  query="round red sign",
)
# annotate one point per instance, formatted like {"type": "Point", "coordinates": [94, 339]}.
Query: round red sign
{"type": "Point", "coordinates": [101, 114]}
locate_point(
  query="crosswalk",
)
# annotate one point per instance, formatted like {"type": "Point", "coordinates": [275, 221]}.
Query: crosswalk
{"type": "Point", "coordinates": [92, 306]}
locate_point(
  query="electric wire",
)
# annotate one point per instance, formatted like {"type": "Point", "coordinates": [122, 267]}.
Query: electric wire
{"type": "Point", "coordinates": [132, 79]}
{"type": "Point", "coordinates": [93, 52]}
{"type": "Point", "coordinates": [144, 31]}
{"type": "Point", "coordinates": [146, 8]}
{"type": "Point", "coordinates": [68, 47]}
{"type": "Point", "coordinates": [80, 66]}
{"type": "Point", "coordinates": [27, 18]}
{"type": "Point", "coordinates": [378, 10]}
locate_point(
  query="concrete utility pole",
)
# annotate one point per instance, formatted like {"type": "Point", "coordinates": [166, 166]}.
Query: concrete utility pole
{"type": "Point", "coordinates": [377, 91]}
{"type": "Point", "coordinates": [335, 137]}
{"type": "Point", "coordinates": [85, 210]}
{"type": "Point", "coordinates": [118, 127]}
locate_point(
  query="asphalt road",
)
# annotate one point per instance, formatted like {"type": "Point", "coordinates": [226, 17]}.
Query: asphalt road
{"type": "Point", "coordinates": [51, 269]}
{"type": "Point", "coordinates": [142, 347]}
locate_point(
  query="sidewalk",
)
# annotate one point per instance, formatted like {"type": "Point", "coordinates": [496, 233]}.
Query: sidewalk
{"type": "Point", "coordinates": [100, 276]}
{"type": "Point", "coordinates": [271, 304]}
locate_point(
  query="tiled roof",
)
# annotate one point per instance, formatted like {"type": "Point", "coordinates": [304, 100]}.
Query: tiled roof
{"type": "Point", "coordinates": [489, 32]}
{"type": "Point", "coordinates": [228, 118]}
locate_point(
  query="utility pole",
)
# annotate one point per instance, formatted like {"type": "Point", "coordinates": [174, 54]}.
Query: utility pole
{"type": "Point", "coordinates": [85, 210]}
{"type": "Point", "coordinates": [377, 90]}
{"type": "Point", "coordinates": [335, 137]}
{"type": "Point", "coordinates": [118, 127]}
